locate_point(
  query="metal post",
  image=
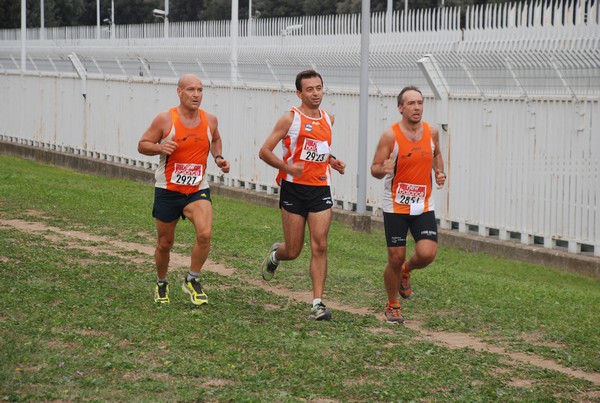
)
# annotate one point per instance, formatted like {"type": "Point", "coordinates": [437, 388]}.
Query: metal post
{"type": "Point", "coordinates": [42, 28]}
{"type": "Point", "coordinates": [363, 108]}
{"type": "Point", "coordinates": [23, 34]}
{"type": "Point", "coordinates": [233, 32]}
{"type": "Point", "coordinates": [112, 19]}
{"type": "Point", "coordinates": [388, 16]}
{"type": "Point", "coordinates": [249, 18]}
{"type": "Point", "coordinates": [166, 18]}
{"type": "Point", "coordinates": [97, 19]}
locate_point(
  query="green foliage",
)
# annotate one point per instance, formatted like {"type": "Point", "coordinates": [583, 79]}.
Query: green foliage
{"type": "Point", "coordinates": [60, 13]}
{"type": "Point", "coordinates": [78, 322]}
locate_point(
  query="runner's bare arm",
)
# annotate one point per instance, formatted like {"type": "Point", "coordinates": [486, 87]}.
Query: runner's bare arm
{"type": "Point", "coordinates": [150, 143]}
{"type": "Point", "coordinates": [382, 164]}
{"type": "Point", "coordinates": [266, 151]}
{"type": "Point", "coordinates": [216, 146]}
{"type": "Point", "coordinates": [438, 160]}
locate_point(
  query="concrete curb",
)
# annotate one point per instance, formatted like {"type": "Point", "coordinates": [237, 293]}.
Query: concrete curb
{"type": "Point", "coordinates": [580, 264]}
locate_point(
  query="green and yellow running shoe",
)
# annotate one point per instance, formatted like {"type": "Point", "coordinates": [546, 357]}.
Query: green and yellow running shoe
{"type": "Point", "coordinates": [161, 293]}
{"type": "Point", "coordinates": [194, 289]}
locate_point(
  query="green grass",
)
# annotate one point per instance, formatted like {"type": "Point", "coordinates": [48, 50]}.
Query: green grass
{"type": "Point", "coordinates": [77, 321]}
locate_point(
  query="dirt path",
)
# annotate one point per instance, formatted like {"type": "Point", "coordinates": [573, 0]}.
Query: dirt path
{"type": "Point", "coordinates": [450, 340]}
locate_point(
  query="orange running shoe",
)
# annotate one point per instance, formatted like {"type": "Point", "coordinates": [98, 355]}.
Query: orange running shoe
{"type": "Point", "coordinates": [393, 314]}
{"type": "Point", "coordinates": [405, 288]}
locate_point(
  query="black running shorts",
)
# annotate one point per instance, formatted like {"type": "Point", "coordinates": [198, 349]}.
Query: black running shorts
{"type": "Point", "coordinates": [421, 226]}
{"type": "Point", "coordinates": [169, 205]}
{"type": "Point", "coordinates": [304, 199]}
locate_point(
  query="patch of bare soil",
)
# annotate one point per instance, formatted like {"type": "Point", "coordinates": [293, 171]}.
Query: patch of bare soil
{"type": "Point", "coordinates": [538, 340]}
{"type": "Point", "coordinates": [450, 340]}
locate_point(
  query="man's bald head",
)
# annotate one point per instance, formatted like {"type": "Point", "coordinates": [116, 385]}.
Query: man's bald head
{"type": "Point", "coordinates": [185, 79]}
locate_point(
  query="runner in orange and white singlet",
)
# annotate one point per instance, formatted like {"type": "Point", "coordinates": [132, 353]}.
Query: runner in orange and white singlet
{"type": "Point", "coordinates": [308, 140]}
{"type": "Point", "coordinates": [408, 191]}
{"type": "Point", "coordinates": [305, 179]}
{"type": "Point", "coordinates": [184, 170]}
{"type": "Point", "coordinates": [183, 137]}
{"type": "Point", "coordinates": [408, 155]}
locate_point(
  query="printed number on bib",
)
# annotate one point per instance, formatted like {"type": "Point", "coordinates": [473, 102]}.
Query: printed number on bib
{"type": "Point", "coordinates": [187, 174]}
{"type": "Point", "coordinates": [314, 151]}
{"type": "Point", "coordinates": [408, 193]}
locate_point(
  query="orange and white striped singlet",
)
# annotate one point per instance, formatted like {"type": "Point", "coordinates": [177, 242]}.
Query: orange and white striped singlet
{"type": "Point", "coordinates": [183, 171]}
{"type": "Point", "coordinates": [308, 140]}
{"type": "Point", "coordinates": [408, 189]}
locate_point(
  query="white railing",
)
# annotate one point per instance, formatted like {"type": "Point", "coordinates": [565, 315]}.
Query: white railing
{"type": "Point", "coordinates": [519, 85]}
{"type": "Point", "coordinates": [480, 17]}
{"type": "Point", "coordinates": [518, 169]}
{"type": "Point", "coordinates": [500, 52]}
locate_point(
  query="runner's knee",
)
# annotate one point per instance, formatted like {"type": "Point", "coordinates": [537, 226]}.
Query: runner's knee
{"type": "Point", "coordinates": [396, 256]}
{"type": "Point", "coordinates": [318, 247]}
{"type": "Point", "coordinates": [203, 236]}
{"type": "Point", "coordinates": [164, 244]}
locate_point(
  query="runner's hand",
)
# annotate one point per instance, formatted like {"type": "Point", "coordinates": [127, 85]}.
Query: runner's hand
{"type": "Point", "coordinates": [338, 165]}
{"type": "Point", "coordinates": [223, 164]}
{"type": "Point", "coordinates": [440, 178]}
{"type": "Point", "coordinates": [168, 147]}
{"type": "Point", "coordinates": [388, 166]}
{"type": "Point", "coordinates": [295, 169]}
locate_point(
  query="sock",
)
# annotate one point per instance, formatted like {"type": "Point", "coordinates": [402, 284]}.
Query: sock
{"type": "Point", "coordinates": [390, 303]}
{"type": "Point", "coordinates": [191, 275]}
{"type": "Point", "coordinates": [275, 261]}
{"type": "Point", "coordinates": [162, 280]}
{"type": "Point", "coordinates": [316, 301]}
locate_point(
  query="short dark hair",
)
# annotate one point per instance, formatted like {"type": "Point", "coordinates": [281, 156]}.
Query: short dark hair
{"type": "Point", "coordinates": [409, 88]}
{"type": "Point", "coordinates": [306, 74]}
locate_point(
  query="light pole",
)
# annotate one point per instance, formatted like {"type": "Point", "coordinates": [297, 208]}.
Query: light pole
{"type": "Point", "coordinates": [388, 16]}
{"type": "Point", "coordinates": [249, 18]}
{"type": "Point", "coordinates": [164, 14]}
{"type": "Point", "coordinates": [233, 33]}
{"type": "Point", "coordinates": [42, 32]}
{"type": "Point", "coordinates": [166, 18]}
{"type": "Point", "coordinates": [23, 33]}
{"type": "Point", "coordinates": [97, 19]}
{"type": "Point", "coordinates": [112, 19]}
{"type": "Point", "coordinates": [363, 107]}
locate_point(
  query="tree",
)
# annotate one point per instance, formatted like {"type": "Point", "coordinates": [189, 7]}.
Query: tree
{"type": "Point", "coordinates": [216, 10]}
{"type": "Point", "coordinates": [187, 10]}
{"type": "Point", "coordinates": [83, 12]}
{"type": "Point", "coordinates": [318, 7]}
{"type": "Point", "coordinates": [11, 14]}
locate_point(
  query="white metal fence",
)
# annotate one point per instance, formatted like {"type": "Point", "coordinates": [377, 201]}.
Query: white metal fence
{"type": "Point", "coordinates": [516, 94]}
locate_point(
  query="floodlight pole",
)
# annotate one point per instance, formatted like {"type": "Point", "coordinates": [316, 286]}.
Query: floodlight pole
{"type": "Point", "coordinates": [23, 33]}
{"type": "Point", "coordinates": [233, 33]}
{"type": "Point", "coordinates": [112, 19]}
{"type": "Point", "coordinates": [97, 19]}
{"type": "Point", "coordinates": [166, 18]}
{"type": "Point", "coordinates": [42, 28]}
{"type": "Point", "coordinates": [388, 16]}
{"type": "Point", "coordinates": [249, 18]}
{"type": "Point", "coordinates": [363, 108]}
